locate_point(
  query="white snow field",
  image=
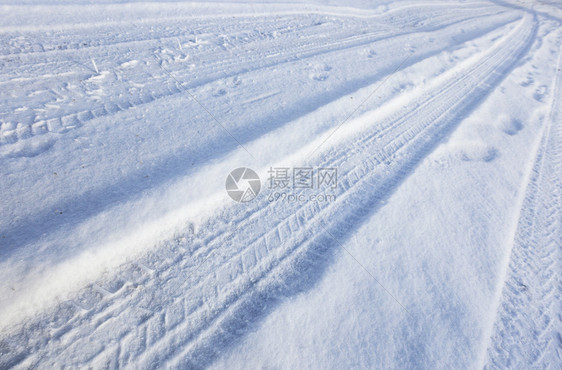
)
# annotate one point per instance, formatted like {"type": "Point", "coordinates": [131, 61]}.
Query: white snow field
{"type": "Point", "coordinates": [436, 244]}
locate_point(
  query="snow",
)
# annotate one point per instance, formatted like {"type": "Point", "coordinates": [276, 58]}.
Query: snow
{"type": "Point", "coordinates": [348, 320]}
{"type": "Point", "coordinates": [121, 120]}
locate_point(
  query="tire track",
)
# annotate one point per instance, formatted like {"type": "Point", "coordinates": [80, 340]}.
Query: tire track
{"type": "Point", "coordinates": [400, 18]}
{"type": "Point", "coordinates": [528, 326]}
{"type": "Point", "coordinates": [191, 297]}
{"type": "Point", "coordinates": [315, 31]}
{"type": "Point", "coordinates": [82, 206]}
{"type": "Point", "coordinates": [16, 128]}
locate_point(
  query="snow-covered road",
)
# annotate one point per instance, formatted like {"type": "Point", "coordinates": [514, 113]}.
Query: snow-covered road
{"type": "Point", "coordinates": [425, 231]}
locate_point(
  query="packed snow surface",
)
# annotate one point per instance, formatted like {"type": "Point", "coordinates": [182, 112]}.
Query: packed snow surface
{"type": "Point", "coordinates": [364, 184]}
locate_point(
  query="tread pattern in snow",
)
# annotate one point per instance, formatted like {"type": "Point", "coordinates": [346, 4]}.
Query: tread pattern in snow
{"type": "Point", "coordinates": [180, 304]}
{"type": "Point", "coordinates": [202, 60]}
{"type": "Point", "coordinates": [528, 328]}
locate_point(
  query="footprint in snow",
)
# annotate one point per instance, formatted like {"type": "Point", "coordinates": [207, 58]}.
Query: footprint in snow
{"type": "Point", "coordinates": [540, 93]}
{"type": "Point", "coordinates": [219, 93]}
{"type": "Point", "coordinates": [509, 125]}
{"type": "Point", "coordinates": [370, 53]}
{"type": "Point", "coordinates": [477, 152]}
{"type": "Point", "coordinates": [320, 72]}
{"type": "Point", "coordinates": [529, 81]}
{"type": "Point", "coordinates": [235, 81]}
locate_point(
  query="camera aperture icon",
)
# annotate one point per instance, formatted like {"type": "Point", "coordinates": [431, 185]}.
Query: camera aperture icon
{"type": "Point", "coordinates": [243, 184]}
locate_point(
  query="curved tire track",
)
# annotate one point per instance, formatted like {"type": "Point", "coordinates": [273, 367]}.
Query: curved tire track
{"type": "Point", "coordinates": [197, 292]}
{"type": "Point", "coordinates": [528, 327]}
{"type": "Point", "coordinates": [37, 120]}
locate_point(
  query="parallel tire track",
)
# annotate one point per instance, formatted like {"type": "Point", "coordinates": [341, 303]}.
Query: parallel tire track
{"type": "Point", "coordinates": [172, 28]}
{"type": "Point", "coordinates": [22, 126]}
{"type": "Point", "coordinates": [196, 292]}
{"type": "Point", "coordinates": [528, 328]}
